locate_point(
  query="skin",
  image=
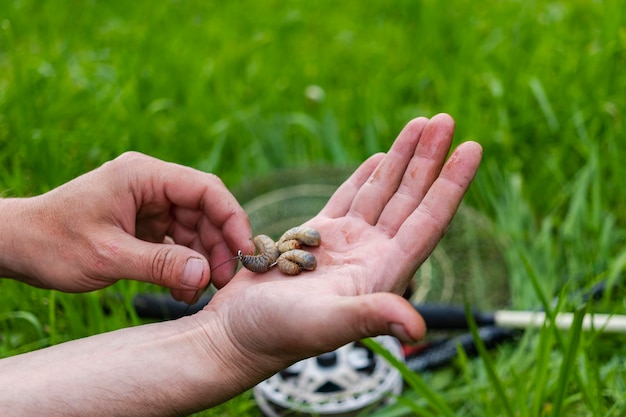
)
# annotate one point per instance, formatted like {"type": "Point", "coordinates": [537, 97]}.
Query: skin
{"type": "Point", "coordinates": [112, 223]}
{"type": "Point", "coordinates": [379, 226]}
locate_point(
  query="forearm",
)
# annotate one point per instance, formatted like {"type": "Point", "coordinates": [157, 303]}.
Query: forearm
{"type": "Point", "coordinates": [171, 368]}
{"type": "Point", "coordinates": [32, 247]}
{"type": "Point", "coordinates": [20, 222]}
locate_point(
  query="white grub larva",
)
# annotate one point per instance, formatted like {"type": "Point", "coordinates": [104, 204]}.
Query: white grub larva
{"type": "Point", "coordinates": [294, 261]}
{"type": "Point", "coordinates": [267, 253]}
{"type": "Point", "coordinates": [297, 237]}
{"type": "Point", "coordinates": [286, 253]}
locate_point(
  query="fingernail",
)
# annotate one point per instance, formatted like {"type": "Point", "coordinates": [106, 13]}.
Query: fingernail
{"type": "Point", "coordinates": [398, 331]}
{"type": "Point", "coordinates": [192, 274]}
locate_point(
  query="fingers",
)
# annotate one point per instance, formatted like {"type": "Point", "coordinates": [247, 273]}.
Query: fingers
{"type": "Point", "coordinates": [178, 267]}
{"type": "Point", "coordinates": [168, 265]}
{"type": "Point", "coordinates": [203, 237]}
{"type": "Point", "coordinates": [197, 211]}
{"type": "Point", "coordinates": [216, 204]}
{"type": "Point", "coordinates": [402, 179]}
{"type": "Point", "coordinates": [341, 200]}
{"type": "Point", "coordinates": [156, 182]}
{"type": "Point", "coordinates": [372, 197]}
{"type": "Point", "coordinates": [420, 173]}
{"type": "Point", "coordinates": [223, 265]}
{"type": "Point", "coordinates": [422, 229]}
{"type": "Point", "coordinates": [184, 271]}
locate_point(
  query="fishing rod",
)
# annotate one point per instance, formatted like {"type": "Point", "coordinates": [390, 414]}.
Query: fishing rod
{"type": "Point", "coordinates": [440, 317]}
{"type": "Point", "coordinates": [317, 386]}
{"type": "Point", "coordinates": [446, 317]}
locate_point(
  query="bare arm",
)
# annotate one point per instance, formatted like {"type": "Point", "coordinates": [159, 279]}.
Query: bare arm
{"type": "Point", "coordinates": [111, 223]}
{"type": "Point", "coordinates": [171, 368]}
{"type": "Point", "coordinates": [380, 225]}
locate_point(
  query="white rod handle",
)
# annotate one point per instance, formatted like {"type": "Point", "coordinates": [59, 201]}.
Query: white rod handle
{"type": "Point", "coordinates": [605, 323]}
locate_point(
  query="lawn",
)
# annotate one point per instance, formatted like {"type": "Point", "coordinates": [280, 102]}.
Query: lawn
{"type": "Point", "coordinates": [245, 89]}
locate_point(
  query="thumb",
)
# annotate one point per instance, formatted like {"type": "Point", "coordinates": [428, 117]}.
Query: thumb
{"type": "Point", "coordinates": [375, 314]}
{"type": "Point", "coordinates": [387, 313]}
{"type": "Point", "coordinates": [169, 265]}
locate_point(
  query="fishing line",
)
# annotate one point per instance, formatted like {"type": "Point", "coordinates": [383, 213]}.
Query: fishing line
{"type": "Point", "coordinates": [200, 291]}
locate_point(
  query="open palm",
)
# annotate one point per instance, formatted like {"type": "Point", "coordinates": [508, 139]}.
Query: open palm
{"type": "Point", "coordinates": [376, 230]}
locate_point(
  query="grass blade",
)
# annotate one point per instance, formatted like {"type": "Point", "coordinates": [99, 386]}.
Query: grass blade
{"type": "Point", "coordinates": [489, 367]}
{"type": "Point", "coordinates": [414, 380]}
{"type": "Point", "coordinates": [544, 104]}
{"type": "Point", "coordinates": [568, 361]}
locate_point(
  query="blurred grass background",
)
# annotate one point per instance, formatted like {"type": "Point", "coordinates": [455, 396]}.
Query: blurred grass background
{"type": "Point", "coordinates": [245, 88]}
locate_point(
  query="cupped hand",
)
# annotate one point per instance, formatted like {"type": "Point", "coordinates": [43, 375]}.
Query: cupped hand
{"type": "Point", "coordinates": [134, 217]}
{"type": "Point", "coordinates": [376, 230]}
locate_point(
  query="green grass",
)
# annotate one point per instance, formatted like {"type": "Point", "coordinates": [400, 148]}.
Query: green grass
{"type": "Point", "coordinates": [226, 87]}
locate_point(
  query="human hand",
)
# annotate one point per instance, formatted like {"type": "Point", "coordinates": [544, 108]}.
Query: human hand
{"type": "Point", "coordinates": [376, 230]}
{"type": "Point", "coordinates": [121, 221]}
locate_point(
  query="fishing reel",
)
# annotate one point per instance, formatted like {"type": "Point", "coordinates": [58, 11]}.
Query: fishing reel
{"type": "Point", "coordinates": [342, 383]}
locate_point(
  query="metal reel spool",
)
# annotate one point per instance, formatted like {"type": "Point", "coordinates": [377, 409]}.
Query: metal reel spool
{"type": "Point", "coordinates": [339, 383]}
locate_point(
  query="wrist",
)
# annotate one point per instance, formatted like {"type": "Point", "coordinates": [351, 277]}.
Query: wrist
{"type": "Point", "coordinates": [176, 367]}
{"type": "Point", "coordinates": [239, 368]}
{"type": "Point", "coordinates": [17, 220]}
{"type": "Point", "coordinates": [34, 247]}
